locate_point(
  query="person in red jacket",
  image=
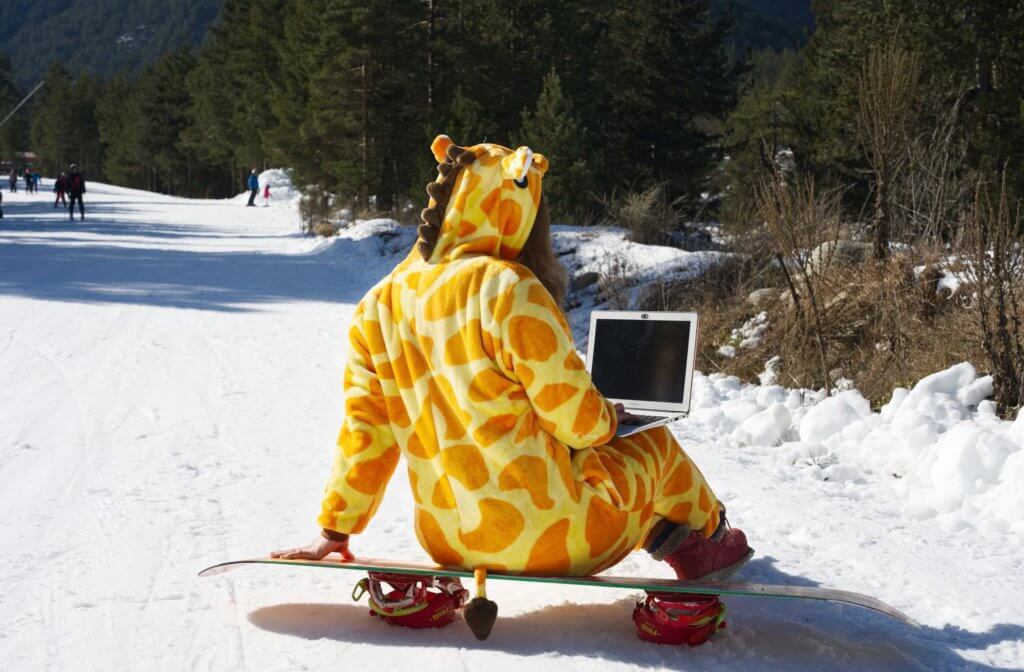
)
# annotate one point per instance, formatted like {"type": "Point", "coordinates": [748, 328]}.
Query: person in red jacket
{"type": "Point", "coordinates": [76, 188]}
{"type": "Point", "coordinates": [60, 185]}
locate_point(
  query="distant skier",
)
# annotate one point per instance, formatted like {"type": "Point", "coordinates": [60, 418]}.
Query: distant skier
{"type": "Point", "coordinates": [60, 186]}
{"type": "Point", "coordinates": [266, 195]}
{"type": "Point", "coordinates": [13, 181]}
{"type": "Point", "coordinates": [29, 182]}
{"type": "Point", "coordinates": [75, 188]}
{"type": "Point", "coordinates": [254, 188]}
{"type": "Point", "coordinates": [36, 179]}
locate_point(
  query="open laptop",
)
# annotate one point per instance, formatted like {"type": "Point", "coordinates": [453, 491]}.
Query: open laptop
{"type": "Point", "coordinates": [643, 360]}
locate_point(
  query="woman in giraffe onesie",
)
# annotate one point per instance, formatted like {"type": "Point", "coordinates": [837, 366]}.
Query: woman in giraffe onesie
{"type": "Point", "coordinates": [461, 362]}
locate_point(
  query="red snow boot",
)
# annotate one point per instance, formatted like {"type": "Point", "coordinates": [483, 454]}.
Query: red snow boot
{"type": "Point", "coordinates": [678, 618]}
{"type": "Point", "coordinates": [695, 557]}
{"type": "Point", "coordinates": [412, 601]}
{"type": "Point", "coordinates": [710, 559]}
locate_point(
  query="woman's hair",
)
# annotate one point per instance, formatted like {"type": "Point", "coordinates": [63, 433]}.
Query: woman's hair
{"type": "Point", "coordinates": [538, 255]}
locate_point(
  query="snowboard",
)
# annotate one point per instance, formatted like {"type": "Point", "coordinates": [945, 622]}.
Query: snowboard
{"type": "Point", "coordinates": [735, 589]}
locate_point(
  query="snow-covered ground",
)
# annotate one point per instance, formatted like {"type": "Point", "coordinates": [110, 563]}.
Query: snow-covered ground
{"type": "Point", "coordinates": [170, 391]}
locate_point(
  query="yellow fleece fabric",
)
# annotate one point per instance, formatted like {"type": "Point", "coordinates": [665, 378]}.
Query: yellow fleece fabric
{"type": "Point", "coordinates": [463, 365]}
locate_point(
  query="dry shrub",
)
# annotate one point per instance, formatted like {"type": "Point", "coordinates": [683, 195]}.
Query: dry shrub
{"type": "Point", "coordinates": [802, 218]}
{"type": "Point", "coordinates": [316, 211]}
{"type": "Point", "coordinates": [616, 283]}
{"type": "Point", "coordinates": [994, 249]}
{"type": "Point", "coordinates": [649, 215]}
{"type": "Point", "coordinates": [887, 87]}
{"type": "Point", "coordinates": [719, 297]}
{"type": "Point", "coordinates": [884, 325]}
{"type": "Point", "coordinates": [881, 324]}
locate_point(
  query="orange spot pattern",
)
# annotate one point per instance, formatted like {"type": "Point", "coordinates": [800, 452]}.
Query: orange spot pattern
{"type": "Point", "coordinates": [531, 474]}
{"type": "Point", "coordinates": [500, 525]}
{"type": "Point", "coordinates": [550, 553]}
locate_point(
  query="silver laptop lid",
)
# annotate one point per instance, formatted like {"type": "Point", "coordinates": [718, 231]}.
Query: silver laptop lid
{"type": "Point", "coordinates": [643, 359]}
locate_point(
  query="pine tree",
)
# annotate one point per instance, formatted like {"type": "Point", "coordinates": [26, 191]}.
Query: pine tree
{"type": "Point", "coordinates": [13, 135]}
{"type": "Point", "coordinates": [846, 29]}
{"type": "Point", "coordinates": [161, 99]}
{"type": "Point", "coordinates": [670, 82]}
{"type": "Point", "coordinates": [54, 132]}
{"type": "Point", "coordinates": [769, 122]}
{"type": "Point", "coordinates": [350, 101]}
{"type": "Point", "coordinates": [552, 128]}
{"type": "Point", "coordinates": [116, 114]}
{"type": "Point", "coordinates": [230, 85]}
{"type": "Point", "coordinates": [85, 145]}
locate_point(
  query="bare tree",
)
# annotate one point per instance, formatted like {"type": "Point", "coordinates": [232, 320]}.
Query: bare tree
{"type": "Point", "coordinates": [993, 246]}
{"type": "Point", "coordinates": [931, 192]}
{"type": "Point", "coordinates": [887, 87]}
{"type": "Point", "coordinates": [800, 219]}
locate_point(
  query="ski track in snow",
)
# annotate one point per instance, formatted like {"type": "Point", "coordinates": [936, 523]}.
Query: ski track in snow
{"type": "Point", "coordinates": [170, 390]}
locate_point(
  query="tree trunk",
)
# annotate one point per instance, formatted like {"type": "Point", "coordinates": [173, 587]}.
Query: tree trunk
{"type": "Point", "coordinates": [881, 218]}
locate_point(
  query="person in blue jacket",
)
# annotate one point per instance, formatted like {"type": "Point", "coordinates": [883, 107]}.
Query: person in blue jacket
{"type": "Point", "coordinates": [254, 188]}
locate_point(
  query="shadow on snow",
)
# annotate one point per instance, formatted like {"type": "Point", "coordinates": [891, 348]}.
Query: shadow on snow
{"type": "Point", "coordinates": [762, 633]}
{"type": "Point", "coordinates": [64, 264]}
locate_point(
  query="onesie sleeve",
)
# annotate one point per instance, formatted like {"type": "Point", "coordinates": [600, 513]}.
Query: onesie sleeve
{"type": "Point", "coordinates": [366, 452]}
{"type": "Point", "coordinates": [537, 349]}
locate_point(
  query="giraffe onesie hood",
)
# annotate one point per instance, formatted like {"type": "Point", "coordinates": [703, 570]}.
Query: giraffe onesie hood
{"type": "Point", "coordinates": [461, 362]}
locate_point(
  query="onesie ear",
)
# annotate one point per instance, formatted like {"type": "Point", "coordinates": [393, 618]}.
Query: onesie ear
{"type": "Point", "coordinates": [440, 146]}
{"type": "Point", "coordinates": [540, 162]}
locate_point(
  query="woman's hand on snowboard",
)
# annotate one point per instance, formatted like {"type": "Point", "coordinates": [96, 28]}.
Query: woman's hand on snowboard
{"type": "Point", "coordinates": [316, 550]}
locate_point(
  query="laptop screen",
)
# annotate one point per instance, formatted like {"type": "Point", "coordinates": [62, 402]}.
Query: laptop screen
{"type": "Point", "coordinates": [644, 360]}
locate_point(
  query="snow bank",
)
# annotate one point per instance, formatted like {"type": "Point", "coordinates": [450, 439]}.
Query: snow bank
{"type": "Point", "coordinates": [940, 445]}
{"type": "Point", "coordinates": [282, 191]}
{"type": "Point", "coordinates": [747, 335]}
{"type": "Point", "coordinates": [608, 252]}
{"type": "Point", "coordinates": [283, 194]}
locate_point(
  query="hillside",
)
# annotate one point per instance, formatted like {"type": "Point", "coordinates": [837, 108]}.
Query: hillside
{"type": "Point", "coordinates": [109, 36]}
{"type": "Point", "coordinates": [770, 24]}
{"type": "Point", "coordinates": [102, 36]}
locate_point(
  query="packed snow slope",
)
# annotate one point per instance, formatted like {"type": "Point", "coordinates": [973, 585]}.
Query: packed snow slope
{"type": "Point", "coordinates": [170, 392]}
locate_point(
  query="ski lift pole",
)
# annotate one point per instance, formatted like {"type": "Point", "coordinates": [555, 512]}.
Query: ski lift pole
{"type": "Point", "coordinates": [23, 101]}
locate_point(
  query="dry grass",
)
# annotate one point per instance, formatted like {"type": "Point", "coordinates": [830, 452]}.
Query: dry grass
{"type": "Point", "coordinates": [648, 215]}
{"type": "Point", "coordinates": [884, 326]}
{"type": "Point", "coordinates": [316, 210]}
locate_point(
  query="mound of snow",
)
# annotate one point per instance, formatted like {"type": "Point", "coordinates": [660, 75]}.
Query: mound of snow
{"type": "Point", "coordinates": [832, 416]}
{"type": "Point", "coordinates": [764, 428]}
{"type": "Point", "coordinates": [283, 194]}
{"type": "Point", "coordinates": [939, 445]}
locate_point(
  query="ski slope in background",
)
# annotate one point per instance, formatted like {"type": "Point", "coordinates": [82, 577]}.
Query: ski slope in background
{"type": "Point", "coordinates": [170, 390]}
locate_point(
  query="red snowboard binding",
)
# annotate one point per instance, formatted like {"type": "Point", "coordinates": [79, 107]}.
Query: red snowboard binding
{"type": "Point", "coordinates": [678, 618]}
{"type": "Point", "coordinates": [412, 601]}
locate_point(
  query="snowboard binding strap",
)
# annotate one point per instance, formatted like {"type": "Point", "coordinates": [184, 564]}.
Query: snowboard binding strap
{"type": "Point", "coordinates": [412, 601]}
{"type": "Point", "coordinates": [678, 618]}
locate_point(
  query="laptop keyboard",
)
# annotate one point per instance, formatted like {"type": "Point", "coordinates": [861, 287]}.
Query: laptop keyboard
{"type": "Point", "coordinates": [643, 420]}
